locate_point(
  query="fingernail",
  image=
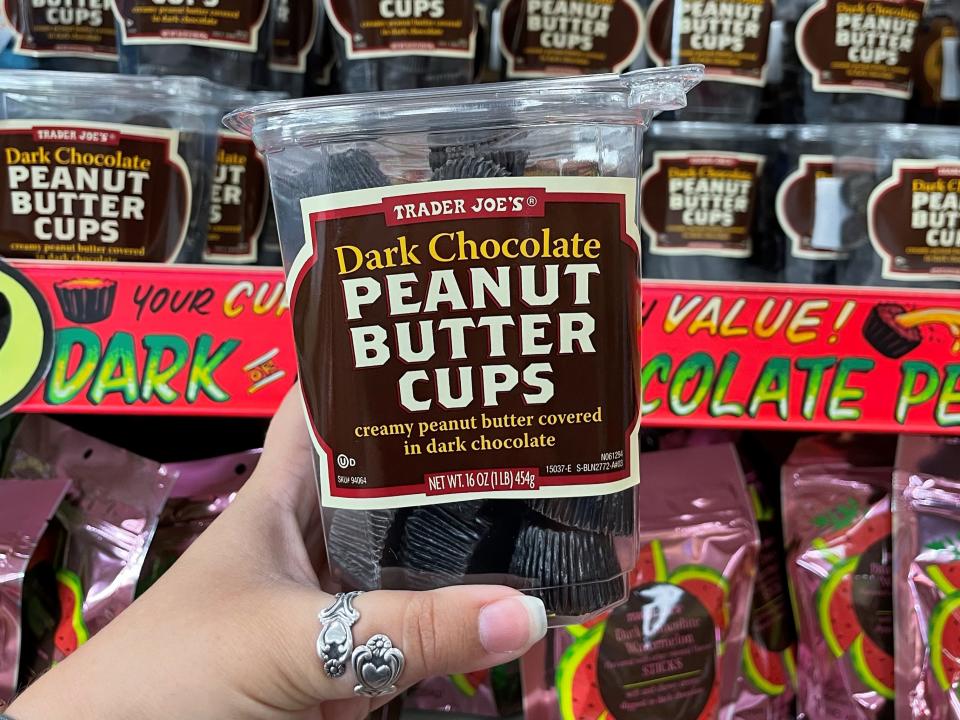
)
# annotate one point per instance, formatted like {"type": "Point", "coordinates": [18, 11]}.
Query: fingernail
{"type": "Point", "coordinates": [512, 625]}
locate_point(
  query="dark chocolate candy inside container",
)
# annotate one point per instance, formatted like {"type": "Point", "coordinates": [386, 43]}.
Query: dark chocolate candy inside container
{"type": "Point", "coordinates": [458, 260]}
{"type": "Point", "coordinates": [106, 167]}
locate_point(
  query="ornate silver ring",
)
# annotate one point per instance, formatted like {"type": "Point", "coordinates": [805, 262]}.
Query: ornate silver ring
{"type": "Point", "coordinates": [335, 642]}
{"type": "Point", "coordinates": [377, 665]}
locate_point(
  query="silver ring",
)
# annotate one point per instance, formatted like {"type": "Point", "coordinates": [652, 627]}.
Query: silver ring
{"type": "Point", "coordinates": [377, 665]}
{"type": "Point", "coordinates": [335, 642]}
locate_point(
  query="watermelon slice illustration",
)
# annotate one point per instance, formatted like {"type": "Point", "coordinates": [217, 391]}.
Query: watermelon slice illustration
{"type": "Point", "coordinates": [71, 632]}
{"type": "Point", "coordinates": [577, 679]}
{"type": "Point", "coordinates": [945, 641]}
{"type": "Point", "coordinates": [469, 683]}
{"type": "Point", "coordinates": [838, 618]}
{"type": "Point", "coordinates": [946, 576]}
{"type": "Point", "coordinates": [873, 666]}
{"type": "Point", "coordinates": [765, 669]}
{"type": "Point", "coordinates": [709, 587]}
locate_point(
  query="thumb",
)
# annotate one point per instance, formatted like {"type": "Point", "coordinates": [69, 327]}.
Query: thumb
{"type": "Point", "coordinates": [440, 632]}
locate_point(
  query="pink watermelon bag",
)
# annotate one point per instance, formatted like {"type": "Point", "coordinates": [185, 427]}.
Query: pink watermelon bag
{"type": "Point", "coordinates": [927, 572]}
{"type": "Point", "coordinates": [837, 525]}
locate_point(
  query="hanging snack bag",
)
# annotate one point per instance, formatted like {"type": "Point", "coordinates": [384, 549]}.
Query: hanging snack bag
{"type": "Point", "coordinates": [228, 41]}
{"type": "Point", "coordinates": [425, 267]}
{"type": "Point", "coordinates": [707, 197]}
{"type": "Point", "coordinates": [672, 651]}
{"type": "Point", "coordinates": [203, 489]}
{"type": "Point", "coordinates": [297, 32]}
{"type": "Point", "coordinates": [485, 693]}
{"type": "Point", "coordinates": [242, 228]}
{"type": "Point", "coordinates": [59, 35]}
{"type": "Point", "coordinates": [398, 45]}
{"type": "Point", "coordinates": [927, 577]}
{"type": "Point", "coordinates": [109, 518]}
{"type": "Point", "coordinates": [542, 38]}
{"type": "Point", "coordinates": [105, 167]}
{"type": "Point", "coordinates": [854, 62]}
{"type": "Point", "coordinates": [25, 509]}
{"type": "Point", "coordinates": [836, 515]}
{"type": "Point", "coordinates": [729, 38]}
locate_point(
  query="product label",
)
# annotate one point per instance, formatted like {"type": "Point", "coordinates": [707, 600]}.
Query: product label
{"type": "Point", "coordinates": [62, 28]}
{"type": "Point", "coordinates": [860, 47]}
{"type": "Point", "coordinates": [570, 37]}
{"type": "Point", "coordinates": [658, 655]}
{"type": "Point", "coordinates": [391, 28]}
{"type": "Point", "coordinates": [294, 29]}
{"type": "Point", "coordinates": [238, 204]}
{"type": "Point", "coordinates": [796, 206]}
{"type": "Point", "coordinates": [226, 24]}
{"type": "Point", "coordinates": [476, 339]}
{"type": "Point", "coordinates": [872, 594]}
{"type": "Point", "coordinates": [914, 220]}
{"type": "Point", "coordinates": [728, 37]}
{"type": "Point", "coordinates": [700, 203]}
{"type": "Point", "coordinates": [78, 190]}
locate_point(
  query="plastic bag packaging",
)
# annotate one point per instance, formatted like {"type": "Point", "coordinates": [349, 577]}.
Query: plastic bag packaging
{"type": "Point", "coordinates": [936, 72]}
{"type": "Point", "coordinates": [486, 693]}
{"type": "Point", "coordinates": [242, 228]}
{"type": "Point", "coordinates": [203, 489]}
{"type": "Point", "coordinates": [109, 518]}
{"type": "Point", "coordinates": [673, 649]}
{"type": "Point", "coordinates": [297, 33]}
{"type": "Point", "coordinates": [837, 528]}
{"type": "Point", "coordinates": [78, 37]}
{"type": "Point", "coordinates": [106, 167]}
{"type": "Point", "coordinates": [25, 509]}
{"type": "Point", "coordinates": [729, 38]}
{"type": "Point", "coordinates": [850, 65]}
{"type": "Point", "coordinates": [707, 197]}
{"type": "Point", "coordinates": [926, 520]}
{"type": "Point", "coordinates": [379, 47]}
{"type": "Point", "coordinates": [228, 42]}
{"type": "Point", "coordinates": [470, 473]}
{"type": "Point", "coordinates": [539, 39]}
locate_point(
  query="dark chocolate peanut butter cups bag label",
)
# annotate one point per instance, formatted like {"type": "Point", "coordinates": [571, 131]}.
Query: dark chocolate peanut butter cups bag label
{"type": "Point", "coordinates": [796, 207]}
{"type": "Point", "coordinates": [914, 220]}
{"type": "Point", "coordinates": [238, 203]}
{"type": "Point", "coordinates": [294, 30]}
{"type": "Point", "coordinates": [700, 203]}
{"type": "Point", "coordinates": [469, 339]}
{"type": "Point", "coordinates": [79, 190]}
{"type": "Point", "coordinates": [224, 24]}
{"type": "Point", "coordinates": [859, 46]}
{"type": "Point", "coordinates": [570, 37]}
{"type": "Point", "coordinates": [62, 28]}
{"type": "Point", "coordinates": [728, 37]}
{"type": "Point", "coordinates": [393, 28]}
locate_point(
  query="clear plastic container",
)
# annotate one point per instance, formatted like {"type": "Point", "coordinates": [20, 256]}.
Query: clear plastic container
{"type": "Point", "coordinates": [462, 266]}
{"type": "Point", "coordinates": [106, 167]}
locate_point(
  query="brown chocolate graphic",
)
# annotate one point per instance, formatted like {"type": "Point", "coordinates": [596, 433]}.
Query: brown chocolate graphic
{"type": "Point", "coordinates": [238, 205]}
{"type": "Point", "coordinates": [294, 27]}
{"type": "Point", "coordinates": [796, 203]}
{"type": "Point", "coordinates": [469, 350]}
{"type": "Point", "coordinates": [230, 24]}
{"type": "Point", "coordinates": [700, 203]}
{"type": "Point", "coordinates": [728, 37]}
{"type": "Point", "coordinates": [860, 46]}
{"type": "Point", "coordinates": [441, 28]}
{"type": "Point", "coordinates": [570, 37]}
{"type": "Point", "coordinates": [914, 220]}
{"type": "Point", "coordinates": [91, 191]}
{"type": "Point", "coordinates": [52, 28]}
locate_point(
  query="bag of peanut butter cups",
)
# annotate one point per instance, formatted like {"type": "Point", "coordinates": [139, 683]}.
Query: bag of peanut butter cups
{"type": "Point", "coordinates": [105, 167]}
{"type": "Point", "coordinates": [837, 528]}
{"type": "Point", "coordinates": [462, 266]}
{"type": "Point", "coordinates": [927, 577]}
{"type": "Point", "coordinates": [57, 35]}
{"type": "Point", "coordinates": [109, 517]}
{"type": "Point", "coordinates": [25, 509]}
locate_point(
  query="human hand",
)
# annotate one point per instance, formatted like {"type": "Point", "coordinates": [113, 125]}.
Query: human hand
{"type": "Point", "coordinates": [230, 631]}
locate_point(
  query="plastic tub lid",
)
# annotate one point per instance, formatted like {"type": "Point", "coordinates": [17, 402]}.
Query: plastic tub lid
{"type": "Point", "coordinates": [629, 99]}
{"type": "Point", "coordinates": [65, 86]}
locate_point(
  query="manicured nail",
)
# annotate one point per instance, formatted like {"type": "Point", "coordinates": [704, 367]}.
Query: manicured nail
{"type": "Point", "coordinates": [512, 625]}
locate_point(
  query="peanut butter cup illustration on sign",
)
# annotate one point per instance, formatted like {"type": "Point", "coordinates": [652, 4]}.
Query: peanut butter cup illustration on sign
{"type": "Point", "coordinates": [86, 300]}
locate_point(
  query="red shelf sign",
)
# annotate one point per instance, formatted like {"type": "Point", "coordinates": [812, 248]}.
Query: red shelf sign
{"type": "Point", "coordinates": [149, 339]}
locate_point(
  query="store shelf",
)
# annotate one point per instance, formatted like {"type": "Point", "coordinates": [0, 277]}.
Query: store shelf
{"type": "Point", "coordinates": [217, 341]}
